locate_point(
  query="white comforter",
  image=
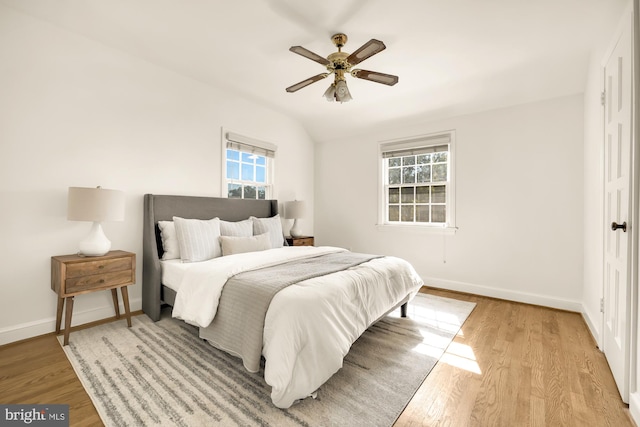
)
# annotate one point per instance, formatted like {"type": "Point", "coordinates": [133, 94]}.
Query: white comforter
{"type": "Point", "coordinates": [310, 326]}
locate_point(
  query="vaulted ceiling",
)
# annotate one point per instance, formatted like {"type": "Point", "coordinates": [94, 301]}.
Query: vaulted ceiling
{"type": "Point", "coordinates": [453, 57]}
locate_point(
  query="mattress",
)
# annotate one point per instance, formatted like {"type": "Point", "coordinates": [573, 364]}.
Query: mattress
{"type": "Point", "coordinates": [173, 271]}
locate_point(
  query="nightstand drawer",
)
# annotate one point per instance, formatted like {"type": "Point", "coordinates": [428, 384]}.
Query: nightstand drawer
{"type": "Point", "coordinates": [307, 241]}
{"type": "Point", "coordinates": [300, 241]}
{"type": "Point", "coordinates": [98, 267]}
{"type": "Point", "coordinates": [97, 281]}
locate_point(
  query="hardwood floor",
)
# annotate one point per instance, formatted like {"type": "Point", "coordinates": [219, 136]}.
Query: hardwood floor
{"type": "Point", "coordinates": [38, 372]}
{"type": "Point", "coordinates": [518, 365]}
{"type": "Point", "coordinates": [511, 365]}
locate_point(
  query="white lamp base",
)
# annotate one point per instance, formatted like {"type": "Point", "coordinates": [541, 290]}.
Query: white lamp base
{"type": "Point", "coordinates": [295, 230]}
{"type": "Point", "coordinates": [96, 243]}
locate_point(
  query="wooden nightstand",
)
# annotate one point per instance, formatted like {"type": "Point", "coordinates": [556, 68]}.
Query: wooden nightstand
{"type": "Point", "coordinates": [73, 275]}
{"type": "Point", "coordinates": [300, 241]}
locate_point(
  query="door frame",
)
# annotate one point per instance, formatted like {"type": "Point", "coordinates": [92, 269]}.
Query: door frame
{"type": "Point", "coordinates": [635, 238]}
{"type": "Point", "coordinates": [634, 339]}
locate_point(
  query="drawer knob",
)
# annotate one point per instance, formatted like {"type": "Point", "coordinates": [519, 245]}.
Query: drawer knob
{"type": "Point", "coordinates": [101, 266]}
{"type": "Point", "coordinates": [101, 280]}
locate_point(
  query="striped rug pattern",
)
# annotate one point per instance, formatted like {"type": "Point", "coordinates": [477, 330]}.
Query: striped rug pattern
{"type": "Point", "coordinates": [163, 374]}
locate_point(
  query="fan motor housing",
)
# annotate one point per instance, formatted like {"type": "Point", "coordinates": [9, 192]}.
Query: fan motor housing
{"type": "Point", "coordinates": [338, 61]}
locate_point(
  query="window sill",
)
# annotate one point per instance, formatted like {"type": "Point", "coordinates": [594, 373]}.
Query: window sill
{"type": "Point", "coordinates": [421, 229]}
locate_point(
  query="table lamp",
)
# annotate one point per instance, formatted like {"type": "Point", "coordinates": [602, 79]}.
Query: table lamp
{"type": "Point", "coordinates": [294, 210]}
{"type": "Point", "coordinates": [96, 205]}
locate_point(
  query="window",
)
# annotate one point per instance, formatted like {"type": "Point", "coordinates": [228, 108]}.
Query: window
{"type": "Point", "coordinates": [248, 168]}
{"type": "Point", "coordinates": [417, 181]}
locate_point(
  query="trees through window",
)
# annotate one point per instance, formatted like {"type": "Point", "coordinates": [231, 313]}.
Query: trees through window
{"type": "Point", "coordinates": [248, 166]}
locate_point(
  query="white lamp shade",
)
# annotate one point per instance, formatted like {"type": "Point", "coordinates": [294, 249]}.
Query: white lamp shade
{"type": "Point", "coordinates": [95, 204]}
{"type": "Point", "coordinates": [294, 210]}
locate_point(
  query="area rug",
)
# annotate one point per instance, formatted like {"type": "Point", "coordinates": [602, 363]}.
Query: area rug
{"type": "Point", "coordinates": [163, 374]}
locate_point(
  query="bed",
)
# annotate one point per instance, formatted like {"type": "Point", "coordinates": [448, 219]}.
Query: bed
{"type": "Point", "coordinates": [295, 309]}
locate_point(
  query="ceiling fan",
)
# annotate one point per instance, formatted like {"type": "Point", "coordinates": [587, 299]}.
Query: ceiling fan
{"type": "Point", "coordinates": [340, 63]}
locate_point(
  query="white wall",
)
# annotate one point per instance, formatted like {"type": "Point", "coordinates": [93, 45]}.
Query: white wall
{"type": "Point", "coordinates": [519, 203]}
{"type": "Point", "coordinates": [76, 113]}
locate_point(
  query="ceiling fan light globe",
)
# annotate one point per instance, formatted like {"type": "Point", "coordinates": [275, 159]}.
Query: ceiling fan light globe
{"type": "Point", "coordinates": [330, 93]}
{"type": "Point", "coordinates": [342, 92]}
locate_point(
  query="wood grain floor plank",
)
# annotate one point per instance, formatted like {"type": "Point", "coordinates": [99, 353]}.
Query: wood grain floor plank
{"type": "Point", "coordinates": [511, 365]}
{"type": "Point", "coordinates": [539, 367]}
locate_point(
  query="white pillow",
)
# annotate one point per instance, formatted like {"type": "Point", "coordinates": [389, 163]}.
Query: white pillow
{"type": "Point", "coordinates": [238, 245]}
{"type": "Point", "coordinates": [169, 240]}
{"type": "Point", "coordinates": [273, 226]}
{"type": "Point", "coordinates": [198, 239]}
{"type": "Point", "coordinates": [236, 229]}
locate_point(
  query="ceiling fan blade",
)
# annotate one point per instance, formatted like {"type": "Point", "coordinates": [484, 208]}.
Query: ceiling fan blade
{"type": "Point", "coordinates": [367, 50]}
{"type": "Point", "coordinates": [306, 82]}
{"type": "Point", "coordinates": [385, 79]}
{"type": "Point", "coordinates": [308, 54]}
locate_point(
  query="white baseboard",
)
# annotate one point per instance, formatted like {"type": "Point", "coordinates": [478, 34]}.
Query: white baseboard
{"type": "Point", "coordinates": [505, 294]}
{"type": "Point", "coordinates": [48, 325]}
{"type": "Point", "coordinates": [634, 407]}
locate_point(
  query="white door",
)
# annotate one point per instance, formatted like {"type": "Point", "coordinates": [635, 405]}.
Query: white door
{"type": "Point", "coordinates": [617, 203]}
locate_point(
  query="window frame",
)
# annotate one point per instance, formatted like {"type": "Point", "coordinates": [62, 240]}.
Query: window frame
{"type": "Point", "coordinates": [409, 143]}
{"type": "Point", "coordinates": [247, 145]}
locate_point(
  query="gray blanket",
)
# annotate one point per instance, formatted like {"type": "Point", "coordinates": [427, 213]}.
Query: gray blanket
{"type": "Point", "coordinates": [239, 322]}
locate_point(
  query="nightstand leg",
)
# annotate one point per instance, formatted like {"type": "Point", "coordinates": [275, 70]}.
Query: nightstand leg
{"type": "Point", "coordinates": [114, 294]}
{"type": "Point", "coordinates": [67, 319]}
{"type": "Point", "coordinates": [125, 300]}
{"type": "Point", "coordinates": [59, 314]}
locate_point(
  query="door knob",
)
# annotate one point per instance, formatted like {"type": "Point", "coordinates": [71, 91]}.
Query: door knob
{"type": "Point", "coordinates": [615, 226]}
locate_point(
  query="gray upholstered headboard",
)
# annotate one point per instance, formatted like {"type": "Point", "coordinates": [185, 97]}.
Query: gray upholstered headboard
{"type": "Point", "coordinates": [164, 208]}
